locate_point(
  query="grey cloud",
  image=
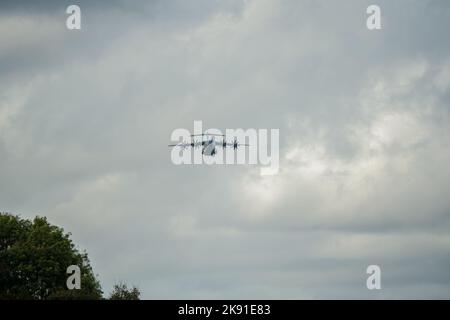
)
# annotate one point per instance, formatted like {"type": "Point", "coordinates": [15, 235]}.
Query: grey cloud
{"type": "Point", "coordinates": [363, 116]}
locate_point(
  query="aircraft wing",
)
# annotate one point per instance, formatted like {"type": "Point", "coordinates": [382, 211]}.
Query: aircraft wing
{"type": "Point", "coordinates": [183, 145]}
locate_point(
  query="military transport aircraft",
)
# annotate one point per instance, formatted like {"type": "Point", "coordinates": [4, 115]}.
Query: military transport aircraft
{"type": "Point", "coordinates": [209, 144]}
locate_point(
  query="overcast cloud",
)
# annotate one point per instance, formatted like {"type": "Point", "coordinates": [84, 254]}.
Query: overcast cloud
{"type": "Point", "coordinates": [86, 116]}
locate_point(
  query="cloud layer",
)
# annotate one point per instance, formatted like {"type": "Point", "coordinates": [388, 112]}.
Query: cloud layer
{"type": "Point", "coordinates": [85, 118]}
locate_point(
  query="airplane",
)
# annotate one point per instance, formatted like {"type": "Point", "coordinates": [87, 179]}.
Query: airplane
{"type": "Point", "coordinates": [209, 145]}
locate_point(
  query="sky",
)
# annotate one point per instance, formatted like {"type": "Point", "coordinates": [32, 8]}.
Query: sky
{"type": "Point", "coordinates": [86, 116]}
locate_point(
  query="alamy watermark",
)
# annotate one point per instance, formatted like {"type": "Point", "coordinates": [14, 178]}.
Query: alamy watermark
{"type": "Point", "coordinates": [234, 146]}
{"type": "Point", "coordinates": [73, 21]}
{"type": "Point", "coordinates": [373, 21]}
{"type": "Point", "coordinates": [74, 280]}
{"type": "Point", "coordinates": [374, 280]}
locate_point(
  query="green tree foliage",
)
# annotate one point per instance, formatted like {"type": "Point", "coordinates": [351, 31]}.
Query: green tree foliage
{"type": "Point", "coordinates": [121, 292]}
{"type": "Point", "coordinates": [34, 257]}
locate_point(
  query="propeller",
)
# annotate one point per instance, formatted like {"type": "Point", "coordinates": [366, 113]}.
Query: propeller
{"type": "Point", "coordinates": [184, 145]}
{"type": "Point", "coordinates": [194, 144]}
{"type": "Point", "coordinates": [235, 144]}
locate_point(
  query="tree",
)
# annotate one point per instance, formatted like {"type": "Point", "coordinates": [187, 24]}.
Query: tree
{"type": "Point", "coordinates": [121, 292]}
{"type": "Point", "coordinates": [34, 257]}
